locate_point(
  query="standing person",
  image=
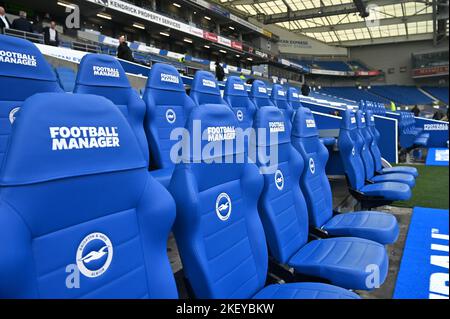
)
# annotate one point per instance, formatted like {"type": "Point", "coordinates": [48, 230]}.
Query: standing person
{"type": "Point", "coordinates": [220, 73]}
{"type": "Point", "coordinates": [123, 50]}
{"type": "Point", "coordinates": [51, 35]}
{"type": "Point", "coordinates": [21, 23]}
{"type": "Point", "coordinates": [305, 89]}
{"type": "Point", "coordinates": [393, 107]}
{"type": "Point", "coordinates": [415, 110]}
{"type": "Point", "coordinates": [4, 22]}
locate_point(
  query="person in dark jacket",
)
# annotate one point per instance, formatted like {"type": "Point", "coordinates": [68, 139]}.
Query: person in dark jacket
{"type": "Point", "coordinates": [220, 73]}
{"type": "Point", "coordinates": [4, 22]}
{"type": "Point", "coordinates": [415, 110]}
{"type": "Point", "coordinates": [123, 50]}
{"type": "Point", "coordinates": [305, 89]}
{"type": "Point", "coordinates": [21, 23]}
{"type": "Point", "coordinates": [51, 35]}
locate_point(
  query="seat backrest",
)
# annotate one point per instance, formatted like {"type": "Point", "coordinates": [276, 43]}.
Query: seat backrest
{"type": "Point", "coordinates": [259, 94]}
{"type": "Point", "coordinates": [66, 77]}
{"type": "Point", "coordinates": [218, 231]}
{"type": "Point", "coordinates": [350, 150]}
{"type": "Point", "coordinates": [313, 180]}
{"type": "Point", "coordinates": [168, 107]}
{"type": "Point", "coordinates": [374, 149]}
{"type": "Point", "coordinates": [237, 98]}
{"type": "Point", "coordinates": [103, 75]}
{"type": "Point", "coordinates": [366, 154]}
{"type": "Point", "coordinates": [279, 99]}
{"type": "Point", "coordinates": [293, 96]}
{"type": "Point", "coordinates": [204, 89]}
{"type": "Point", "coordinates": [23, 72]}
{"type": "Point", "coordinates": [281, 205]}
{"type": "Point", "coordinates": [82, 216]}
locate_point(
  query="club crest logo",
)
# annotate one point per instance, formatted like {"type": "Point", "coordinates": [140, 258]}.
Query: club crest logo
{"type": "Point", "coordinates": [12, 114]}
{"type": "Point", "coordinates": [94, 255]}
{"type": "Point", "coordinates": [240, 115]}
{"type": "Point", "coordinates": [171, 116]}
{"type": "Point", "coordinates": [223, 206]}
{"type": "Point", "coordinates": [279, 180]}
{"type": "Point", "coordinates": [312, 165]}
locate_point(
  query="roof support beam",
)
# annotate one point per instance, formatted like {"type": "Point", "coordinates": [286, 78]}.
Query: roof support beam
{"type": "Point", "coordinates": [404, 38]}
{"type": "Point", "coordinates": [362, 24]}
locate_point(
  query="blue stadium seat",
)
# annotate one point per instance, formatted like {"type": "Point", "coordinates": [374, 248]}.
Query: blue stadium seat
{"type": "Point", "coordinates": [294, 98]}
{"type": "Point", "coordinates": [168, 107]}
{"type": "Point", "coordinates": [82, 217]}
{"type": "Point", "coordinates": [362, 138]}
{"type": "Point", "coordinates": [103, 75]}
{"type": "Point", "coordinates": [279, 99]}
{"type": "Point", "coordinates": [205, 90]}
{"type": "Point", "coordinates": [20, 79]}
{"type": "Point", "coordinates": [370, 195]}
{"type": "Point", "coordinates": [237, 98]}
{"type": "Point", "coordinates": [376, 154]}
{"type": "Point", "coordinates": [284, 215]}
{"type": "Point", "coordinates": [259, 94]}
{"type": "Point", "coordinates": [218, 231]}
{"type": "Point", "coordinates": [377, 226]}
{"type": "Point", "coordinates": [66, 77]}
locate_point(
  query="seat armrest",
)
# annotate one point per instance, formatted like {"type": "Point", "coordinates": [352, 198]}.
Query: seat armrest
{"type": "Point", "coordinates": [318, 232]}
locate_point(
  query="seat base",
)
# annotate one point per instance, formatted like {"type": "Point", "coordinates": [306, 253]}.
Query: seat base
{"type": "Point", "coordinates": [377, 226]}
{"type": "Point", "coordinates": [343, 261]}
{"type": "Point", "coordinates": [407, 179]}
{"type": "Point", "coordinates": [391, 191]}
{"type": "Point", "coordinates": [304, 290]}
{"type": "Point", "coordinates": [400, 169]}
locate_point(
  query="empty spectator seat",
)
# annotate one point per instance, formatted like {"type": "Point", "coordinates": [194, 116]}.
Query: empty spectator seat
{"type": "Point", "coordinates": [103, 75]}
{"type": "Point", "coordinates": [82, 217]}
{"type": "Point", "coordinates": [279, 99]}
{"type": "Point", "coordinates": [370, 195]}
{"type": "Point", "coordinates": [66, 77]}
{"type": "Point", "coordinates": [237, 98]}
{"type": "Point", "coordinates": [218, 231]}
{"type": "Point", "coordinates": [20, 78]}
{"type": "Point", "coordinates": [168, 107]}
{"type": "Point", "coordinates": [293, 97]}
{"type": "Point", "coordinates": [259, 94]}
{"type": "Point", "coordinates": [284, 215]}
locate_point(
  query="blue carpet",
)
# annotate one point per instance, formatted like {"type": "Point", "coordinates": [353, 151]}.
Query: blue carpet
{"type": "Point", "coordinates": [437, 157]}
{"type": "Point", "coordinates": [423, 270]}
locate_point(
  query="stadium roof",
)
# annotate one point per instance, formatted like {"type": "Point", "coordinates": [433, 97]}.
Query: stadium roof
{"type": "Point", "coordinates": [340, 21]}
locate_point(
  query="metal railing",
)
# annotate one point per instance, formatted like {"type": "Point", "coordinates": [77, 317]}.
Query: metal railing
{"type": "Point", "coordinates": [33, 37]}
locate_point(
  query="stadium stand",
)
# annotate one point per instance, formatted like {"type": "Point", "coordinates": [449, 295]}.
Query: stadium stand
{"type": "Point", "coordinates": [439, 93]}
{"type": "Point", "coordinates": [401, 95]}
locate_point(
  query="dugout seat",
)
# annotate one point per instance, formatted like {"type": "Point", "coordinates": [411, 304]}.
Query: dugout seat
{"type": "Point", "coordinates": [293, 97]}
{"type": "Point", "coordinates": [168, 107]}
{"type": "Point", "coordinates": [376, 226]}
{"type": "Point", "coordinates": [284, 215]}
{"type": "Point", "coordinates": [362, 138]}
{"type": "Point", "coordinates": [103, 75]}
{"type": "Point", "coordinates": [237, 98]}
{"type": "Point", "coordinates": [20, 78]}
{"type": "Point", "coordinates": [374, 137]}
{"type": "Point", "coordinates": [81, 215]}
{"type": "Point", "coordinates": [259, 94]}
{"type": "Point", "coordinates": [218, 231]}
{"type": "Point", "coordinates": [370, 195]}
{"type": "Point", "coordinates": [279, 99]}
{"type": "Point", "coordinates": [66, 78]}
{"type": "Point", "coordinates": [205, 90]}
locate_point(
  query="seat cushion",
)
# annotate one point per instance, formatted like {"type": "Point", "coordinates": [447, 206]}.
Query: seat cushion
{"type": "Point", "coordinates": [344, 261]}
{"type": "Point", "coordinates": [420, 141]}
{"type": "Point", "coordinates": [388, 191]}
{"type": "Point", "coordinates": [163, 175]}
{"type": "Point", "coordinates": [376, 226]}
{"type": "Point", "coordinates": [305, 290]}
{"type": "Point", "coordinates": [401, 169]}
{"type": "Point", "coordinates": [407, 179]}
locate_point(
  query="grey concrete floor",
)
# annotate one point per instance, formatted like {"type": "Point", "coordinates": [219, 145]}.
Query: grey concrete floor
{"type": "Point", "coordinates": [343, 202]}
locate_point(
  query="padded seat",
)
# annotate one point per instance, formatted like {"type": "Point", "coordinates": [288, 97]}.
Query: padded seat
{"type": "Point", "coordinates": [205, 89]}
{"type": "Point", "coordinates": [343, 260]}
{"type": "Point", "coordinates": [389, 190]}
{"type": "Point", "coordinates": [400, 169]}
{"type": "Point", "coordinates": [293, 96]}
{"type": "Point", "coordinates": [259, 94]}
{"type": "Point", "coordinates": [328, 141]}
{"type": "Point", "coordinates": [407, 179]}
{"type": "Point", "coordinates": [235, 94]}
{"type": "Point", "coordinates": [421, 141]}
{"type": "Point", "coordinates": [377, 226]}
{"type": "Point", "coordinates": [305, 290]}
{"type": "Point", "coordinates": [163, 175]}
{"type": "Point", "coordinates": [280, 100]}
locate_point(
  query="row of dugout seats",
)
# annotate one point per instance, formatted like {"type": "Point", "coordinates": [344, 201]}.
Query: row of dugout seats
{"type": "Point", "coordinates": [411, 137]}
{"type": "Point", "coordinates": [88, 202]}
{"type": "Point", "coordinates": [375, 107]}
